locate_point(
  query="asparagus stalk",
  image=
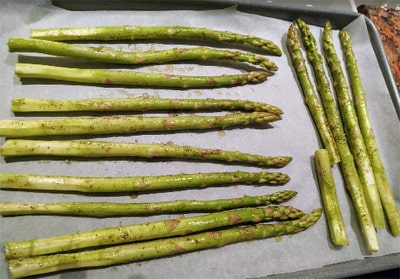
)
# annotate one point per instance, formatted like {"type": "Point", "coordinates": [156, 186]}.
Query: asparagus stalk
{"type": "Point", "coordinates": [96, 149]}
{"type": "Point", "coordinates": [108, 209]}
{"type": "Point", "coordinates": [311, 98]}
{"type": "Point", "coordinates": [385, 192]}
{"type": "Point", "coordinates": [137, 104]}
{"type": "Point", "coordinates": [136, 184]}
{"type": "Point", "coordinates": [126, 124]}
{"type": "Point", "coordinates": [111, 77]}
{"type": "Point", "coordinates": [120, 254]}
{"type": "Point", "coordinates": [330, 200]}
{"type": "Point", "coordinates": [147, 231]}
{"type": "Point", "coordinates": [354, 137]}
{"type": "Point", "coordinates": [109, 33]}
{"type": "Point", "coordinates": [103, 54]}
{"type": "Point", "coordinates": [158, 248]}
{"type": "Point", "coordinates": [349, 170]}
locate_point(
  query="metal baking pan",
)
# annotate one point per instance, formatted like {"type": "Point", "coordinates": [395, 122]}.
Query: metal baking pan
{"type": "Point", "coordinates": [306, 255]}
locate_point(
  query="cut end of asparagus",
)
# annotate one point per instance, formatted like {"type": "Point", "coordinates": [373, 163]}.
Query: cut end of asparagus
{"type": "Point", "coordinates": [330, 200]}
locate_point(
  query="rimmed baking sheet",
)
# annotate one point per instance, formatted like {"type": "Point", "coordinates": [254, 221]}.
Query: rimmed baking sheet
{"type": "Point", "coordinates": [294, 135]}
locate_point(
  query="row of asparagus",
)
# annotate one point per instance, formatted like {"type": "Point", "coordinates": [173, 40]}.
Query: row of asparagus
{"type": "Point", "coordinates": [346, 133]}
{"type": "Point", "coordinates": [228, 220]}
{"type": "Point", "coordinates": [50, 41]}
{"type": "Point", "coordinates": [251, 113]}
{"type": "Point", "coordinates": [164, 238]}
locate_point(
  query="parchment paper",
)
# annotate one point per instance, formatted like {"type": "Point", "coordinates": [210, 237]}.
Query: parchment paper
{"type": "Point", "coordinates": [294, 135]}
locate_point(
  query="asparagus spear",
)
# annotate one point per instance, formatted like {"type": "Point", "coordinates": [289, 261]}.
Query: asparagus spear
{"type": "Point", "coordinates": [109, 33]}
{"type": "Point", "coordinates": [125, 124]}
{"type": "Point", "coordinates": [146, 231]}
{"type": "Point", "coordinates": [111, 77]}
{"type": "Point", "coordinates": [93, 149]}
{"type": "Point", "coordinates": [385, 192]}
{"type": "Point", "coordinates": [108, 209]}
{"type": "Point", "coordinates": [349, 170]}
{"type": "Point", "coordinates": [354, 137]}
{"type": "Point", "coordinates": [125, 253]}
{"type": "Point", "coordinates": [103, 54]}
{"type": "Point", "coordinates": [311, 98]}
{"type": "Point", "coordinates": [136, 184]}
{"type": "Point", "coordinates": [329, 198]}
{"type": "Point", "coordinates": [137, 104]}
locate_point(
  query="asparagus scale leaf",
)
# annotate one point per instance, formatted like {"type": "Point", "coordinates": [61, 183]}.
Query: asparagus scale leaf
{"type": "Point", "coordinates": [97, 149]}
{"type": "Point", "coordinates": [355, 139]}
{"type": "Point", "coordinates": [137, 104]}
{"type": "Point", "coordinates": [360, 102]}
{"type": "Point", "coordinates": [348, 169]}
{"type": "Point", "coordinates": [311, 98]}
{"type": "Point", "coordinates": [110, 209]}
{"type": "Point", "coordinates": [23, 267]}
{"type": "Point", "coordinates": [330, 199]}
{"type": "Point", "coordinates": [136, 184]}
{"type": "Point", "coordinates": [147, 231]}
{"type": "Point", "coordinates": [131, 33]}
{"type": "Point", "coordinates": [109, 55]}
{"type": "Point", "coordinates": [126, 124]}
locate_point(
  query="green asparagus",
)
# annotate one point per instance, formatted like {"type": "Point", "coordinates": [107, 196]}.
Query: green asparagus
{"type": "Point", "coordinates": [131, 33]}
{"type": "Point", "coordinates": [385, 192]}
{"type": "Point", "coordinates": [103, 54]}
{"type": "Point", "coordinates": [330, 200]}
{"type": "Point", "coordinates": [137, 104]}
{"type": "Point", "coordinates": [120, 254]}
{"type": "Point", "coordinates": [134, 78]}
{"type": "Point", "coordinates": [126, 124]}
{"type": "Point", "coordinates": [109, 209]}
{"type": "Point", "coordinates": [349, 171]}
{"type": "Point", "coordinates": [146, 231]}
{"type": "Point", "coordinates": [311, 98]}
{"type": "Point", "coordinates": [96, 149]}
{"type": "Point", "coordinates": [135, 184]}
{"type": "Point", "coordinates": [353, 132]}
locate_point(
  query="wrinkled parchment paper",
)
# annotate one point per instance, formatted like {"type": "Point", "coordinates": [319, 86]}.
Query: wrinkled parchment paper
{"type": "Point", "coordinates": [294, 135]}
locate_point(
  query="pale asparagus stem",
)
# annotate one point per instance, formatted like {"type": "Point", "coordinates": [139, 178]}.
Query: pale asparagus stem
{"type": "Point", "coordinates": [354, 135]}
{"type": "Point", "coordinates": [329, 197]}
{"type": "Point", "coordinates": [126, 124]}
{"type": "Point", "coordinates": [137, 104]}
{"type": "Point", "coordinates": [310, 96]}
{"type": "Point", "coordinates": [385, 192]}
{"type": "Point", "coordinates": [109, 209]}
{"type": "Point", "coordinates": [120, 254]}
{"type": "Point", "coordinates": [147, 231]}
{"type": "Point", "coordinates": [97, 149]}
{"type": "Point", "coordinates": [131, 33]}
{"type": "Point", "coordinates": [134, 78]}
{"type": "Point", "coordinates": [349, 171]}
{"type": "Point", "coordinates": [136, 184]}
{"type": "Point", "coordinates": [104, 54]}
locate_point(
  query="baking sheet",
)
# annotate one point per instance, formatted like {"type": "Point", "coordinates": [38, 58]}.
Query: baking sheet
{"type": "Point", "coordinates": [295, 135]}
